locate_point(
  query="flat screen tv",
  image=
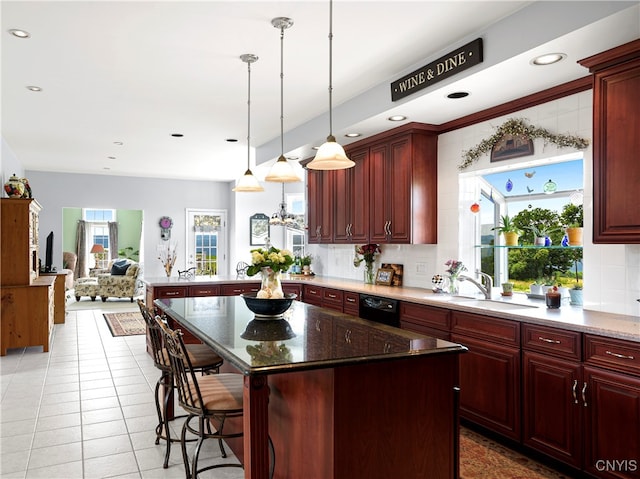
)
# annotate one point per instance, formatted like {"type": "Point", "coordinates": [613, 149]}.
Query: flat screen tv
{"type": "Point", "coordinates": [48, 259]}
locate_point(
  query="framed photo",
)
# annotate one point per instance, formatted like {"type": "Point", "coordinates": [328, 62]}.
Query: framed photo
{"type": "Point", "coordinates": [511, 146]}
{"type": "Point", "coordinates": [259, 229]}
{"type": "Point", "coordinates": [384, 276]}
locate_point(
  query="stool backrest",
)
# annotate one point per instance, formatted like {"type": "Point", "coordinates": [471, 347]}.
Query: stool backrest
{"type": "Point", "coordinates": [160, 356]}
{"type": "Point", "coordinates": [185, 379]}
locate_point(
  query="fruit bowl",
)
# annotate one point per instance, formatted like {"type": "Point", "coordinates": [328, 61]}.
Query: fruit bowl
{"type": "Point", "coordinates": [267, 307]}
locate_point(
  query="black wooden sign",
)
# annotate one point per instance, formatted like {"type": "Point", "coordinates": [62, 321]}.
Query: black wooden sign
{"type": "Point", "coordinates": [450, 64]}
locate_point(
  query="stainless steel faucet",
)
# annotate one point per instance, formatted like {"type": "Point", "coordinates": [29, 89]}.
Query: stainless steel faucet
{"type": "Point", "coordinates": [485, 285]}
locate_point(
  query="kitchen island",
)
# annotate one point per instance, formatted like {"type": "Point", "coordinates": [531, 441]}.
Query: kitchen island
{"type": "Point", "coordinates": [340, 397]}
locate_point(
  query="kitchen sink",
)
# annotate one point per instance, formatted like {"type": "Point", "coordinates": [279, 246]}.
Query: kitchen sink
{"type": "Point", "coordinates": [489, 303]}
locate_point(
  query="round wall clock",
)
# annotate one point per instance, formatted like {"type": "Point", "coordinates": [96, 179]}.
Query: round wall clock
{"type": "Point", "coordinates": [165, 227]}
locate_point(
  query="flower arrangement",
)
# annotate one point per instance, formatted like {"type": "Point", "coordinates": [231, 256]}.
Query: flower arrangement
{"type": "Point", "coordinates": [167, 255]}
{"type": "Point", "coordinates": [518, 127]}
{"type": "Point", "coordinates": [274, 258]}
{"type": "Point", "coordinates": [455, 267]}
{"type": "Point", "coordinates": [366, 253]}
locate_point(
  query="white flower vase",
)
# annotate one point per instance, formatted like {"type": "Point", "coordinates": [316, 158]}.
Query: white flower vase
{"type": "Point", "coordinates": [271, 283]}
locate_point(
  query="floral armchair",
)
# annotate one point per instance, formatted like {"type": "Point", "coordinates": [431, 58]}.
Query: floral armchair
{"type": "Point", "coordinates": [122, 281]}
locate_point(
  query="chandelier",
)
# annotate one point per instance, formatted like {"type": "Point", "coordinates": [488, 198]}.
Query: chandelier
{"type": "Point", "coordinates": [281, 217]}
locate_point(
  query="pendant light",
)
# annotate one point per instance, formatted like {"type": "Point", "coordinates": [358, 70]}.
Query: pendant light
{"type": "Point", "coordinates": [282, 171]}
{"type": "Point", "coordinates": [281, 217]}
{"type": "Point", "coordinates": [248, 183]}
{"type": "Point", "coordinates": [330, 156]}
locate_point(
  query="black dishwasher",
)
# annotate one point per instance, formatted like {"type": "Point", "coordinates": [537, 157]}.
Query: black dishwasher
{"type": "Point", "coordinates": [380, 310]}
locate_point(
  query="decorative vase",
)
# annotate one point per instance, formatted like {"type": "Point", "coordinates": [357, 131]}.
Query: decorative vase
{"type": "Point", "coordinates": [575, 296]}
{"type": "Point", "coordinates": [271, 283]}
{"type": "Point", "coordinates": [14, 187]}
{"type": "Point", "coordinates": [575, 236]}
{"type": "Point", "coordinates": [167, 268]}
{"type": "Point", "coordinates": [454, 284]}
{"type": "Point", "coordinates": [539, 241]}
{"type": "Point", "coordinates": [369, 273]}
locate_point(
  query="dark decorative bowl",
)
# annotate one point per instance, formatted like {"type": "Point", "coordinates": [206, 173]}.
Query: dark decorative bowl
{"type": "Point", "coordinates": [268, 330]}
{"type": "Point", "coordinates": [268, 308]}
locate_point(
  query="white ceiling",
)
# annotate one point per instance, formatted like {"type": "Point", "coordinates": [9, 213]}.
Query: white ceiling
{"type": "Point", "coordinates": [136, 72]}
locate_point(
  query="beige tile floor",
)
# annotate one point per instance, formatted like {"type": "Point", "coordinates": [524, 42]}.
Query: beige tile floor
{"type": "Point", "coordinates": [86, 409]}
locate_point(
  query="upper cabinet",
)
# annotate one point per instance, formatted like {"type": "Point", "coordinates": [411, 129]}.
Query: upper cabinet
{"type": "Point", "coordinates": [20, 251]}
{"type": "Point", "coordinates": [616, 143]}
{"type": "Point", "coordinates": [389, 196]}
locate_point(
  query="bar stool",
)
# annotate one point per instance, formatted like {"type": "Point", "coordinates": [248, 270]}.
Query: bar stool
{"type": "Point", "coordinates": [201, 359]}
{"type": "Point", "coordinates": [211, 399]}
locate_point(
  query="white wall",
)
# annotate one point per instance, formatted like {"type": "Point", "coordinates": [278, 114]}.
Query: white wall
{"type": "Point", "coordinates": [9, 163]}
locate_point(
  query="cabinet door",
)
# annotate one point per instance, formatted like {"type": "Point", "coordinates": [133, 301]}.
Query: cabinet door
{"type": "Point", "coordinates": [490, 385]}
{"type": "Point", "coordinates": [341, 205]}
{"type": "Point", "coordinates": [552, 410]}
{"type": "Point", "coordinates": [378, 194]}
{"type": "Point", "coordinates": [320, 206]}
{"type": "Point", "coordinates": [399, 191]}
{"type": "Point", "coordinates": [359, 198]}
{"type": "Point", "coordinates": [612, 435]}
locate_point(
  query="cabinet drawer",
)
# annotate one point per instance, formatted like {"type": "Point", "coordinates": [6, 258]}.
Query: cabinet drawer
{"type": "Point", "coordinates": [558, 342]}
{"type": "Point", "coordinates": [171, 292]}
{"type": "Point", "coordinates": [351, 303]}
{"type": "Point", "coordinates": [612, 353]}
{"type": "Point", "coordinates": [204, 290]}
{"type": "Point", "coordinates": [330, 295]}
{"type": "Point", "coordinates": [237, 289]}
{"type": "Point", "coordinates": [484, 327]}
{"type": "Point", "coordinates": [312, 294]}
{"type": "Point", "coordinates": [426, 330]}
{"type": "Point", "coordinates": [427, 315]}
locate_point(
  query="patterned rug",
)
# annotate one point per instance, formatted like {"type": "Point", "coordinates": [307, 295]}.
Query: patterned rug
{"type": "Point", "coordinates": [482, 458]}
{"type": "Point", "coordinates": [125, 324]}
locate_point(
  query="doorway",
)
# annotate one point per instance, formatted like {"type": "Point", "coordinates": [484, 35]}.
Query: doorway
{"type": "Point", "coordinates": [207, 241]}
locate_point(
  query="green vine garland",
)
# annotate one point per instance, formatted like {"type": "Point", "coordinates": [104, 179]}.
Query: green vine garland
{"type": "Point", "coordinates": [518, 127]}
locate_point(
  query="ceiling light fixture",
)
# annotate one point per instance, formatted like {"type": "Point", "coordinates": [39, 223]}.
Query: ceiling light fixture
{"type": "Point", "coordinates": [248, 182]}
{"type": "Point", "coordinates": [548, 59]}
{"type": "Point", "coordinates": [16, 32]}
{"type": "Point", "coordinates": [330, 155]}
{"type": "Point", "coordinates": [458, 94]}
{"type": "Point", "coordinates": [397, 118]}
{"type": "Point", "coordinates": [281, 217]}
{"type": "Point", "coordinates": [353, 135]}
{"type": "Point", "coordinates": [34, 88]}
{"type": "Point", "coordinates": [282, 171]}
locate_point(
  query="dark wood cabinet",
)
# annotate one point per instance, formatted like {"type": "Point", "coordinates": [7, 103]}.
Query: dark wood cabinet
{"type": "Point", "coordinates": [612, 448]}
{"type": "Point", "coordinates": [204, 290]}
{"type": "Point", "coordinates": [427, 320]}
{"type": "Point", "coordinates": [320, 206]}
{"type": "Point", "coordinates": [351, 198]}
{"type": "Point", "coordinates": [312, 294]}
{"type": "Point", "coordinates": [351, 303]}
{"type": "Point", "coordinates": [390, 196]}
{"type": "Point", "coordinates": [616, 122]}
{"type": "Point", "coordinates": [238, 288]}
{"type": "Point", "coordinates": [489, 371]}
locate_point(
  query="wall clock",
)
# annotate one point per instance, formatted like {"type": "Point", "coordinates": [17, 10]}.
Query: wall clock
{"type": "Point", "coordinates": [165, 228]}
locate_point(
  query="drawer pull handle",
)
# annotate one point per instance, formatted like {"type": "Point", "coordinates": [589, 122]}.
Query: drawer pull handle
{"type": "Point", "coordinates": [574, 392]}
{"type": "Point", "coordinates": [332, 296]}
{"type": "Point", "coordinates": [313, 291]}
{"type": "Point", "coordinates": [552, 341]}
{"type": "Point", "coordinates": [584, 397]}
{"type": "Point", "coordinates": [318, 325]}
{"type": "Point", "coordinates": [351, 300]}
{"type": "Point", "coordinates": [172, 293]}
{"type": "Point", "coordinates": [387, 347]}
{"type": "Point", "coordinates": [347, 336]}
{"type": "Point", "coordinates": [621, 356]}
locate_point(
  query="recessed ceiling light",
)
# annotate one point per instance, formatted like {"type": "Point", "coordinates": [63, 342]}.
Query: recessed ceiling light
{"type": "Point", "coordinates": [111, 157]}
{"type": "Point", "coordinates": [177, 135]}
{"type": "Point", "coordinates": [397, 118]}
{"type": "Point", "coordinates": [232, 140]}
{"type": "Point", "coordinates": [34, 88]}
{"type": "Point", "coordinates": [458, 94]}
{"type": "Point", "coordinates": [119, 143]}
{"type": "Point", "coordinates": [19, 33]}
{"type": "Point", "coordinates": [106, 168]}
{"type": "Point", "coordinates": [548, 59]}
{"type": "Point", "coordinates": [353, 135]}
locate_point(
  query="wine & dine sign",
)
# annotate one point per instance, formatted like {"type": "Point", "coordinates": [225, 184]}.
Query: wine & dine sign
{"type": "Point", "coordinates": [444, 67]}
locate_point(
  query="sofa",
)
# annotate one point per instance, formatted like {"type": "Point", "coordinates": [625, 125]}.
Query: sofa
{"type": "Point", "coordinates": [121, 280]}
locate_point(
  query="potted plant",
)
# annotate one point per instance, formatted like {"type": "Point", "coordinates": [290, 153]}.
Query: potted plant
{"type": "Point", "coordinates": [536, 287]}
{"type": "Point", "coordinates": [541, 234]}
{"type": "Point", "coordinates": [573, 216]}
{"type": "Point", "coordinates": [305, 262]}
{"type": "Point", "coordinates": [575, 295]}
{"type": "Point", "coordinates": [510, 231]}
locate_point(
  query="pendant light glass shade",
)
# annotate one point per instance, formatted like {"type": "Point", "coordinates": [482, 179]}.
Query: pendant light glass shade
{"type": "Point", "coordinates": [282, 171]}
{"type": "Point", "coordinates": [330, 155]}
{"type": "Point", "coordinates": [248, 183]}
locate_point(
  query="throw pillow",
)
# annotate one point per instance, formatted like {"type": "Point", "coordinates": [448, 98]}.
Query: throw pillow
{"type": "Point", "coordinates": [119, 268]}
{"type": "Point", "coordinates": [133, 270]}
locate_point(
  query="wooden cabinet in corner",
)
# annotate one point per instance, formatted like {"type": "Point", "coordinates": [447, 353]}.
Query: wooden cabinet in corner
{"type": "Point", "coordinates": [616, 121]}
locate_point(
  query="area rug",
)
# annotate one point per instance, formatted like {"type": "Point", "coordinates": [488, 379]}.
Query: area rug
{"type": "Point", "coordinates": [125, 324]}
{"type": "Point", "coordinates": [482, 458]}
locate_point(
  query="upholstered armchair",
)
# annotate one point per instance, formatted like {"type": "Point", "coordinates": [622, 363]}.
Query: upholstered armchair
{"type": "Point", "coordinates": [69, 261]}
{"type": "Point", "coordinates": [122, 280]}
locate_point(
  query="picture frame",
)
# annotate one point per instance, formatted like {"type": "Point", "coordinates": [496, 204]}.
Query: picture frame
{"type": "Point", "coordinates": [259, 229]}
{"type": "Point", "coordinates": [384, 276]}
{"type": "Point", "coordinates": [511, 146]}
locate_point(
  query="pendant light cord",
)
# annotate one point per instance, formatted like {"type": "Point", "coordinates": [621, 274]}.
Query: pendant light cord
{"type": "Point", "coordinates": [249, 115]}
{"type": "Point", "coordinates": [330, 69]}
{"type": "Point", "coordinates": [282, 91]}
